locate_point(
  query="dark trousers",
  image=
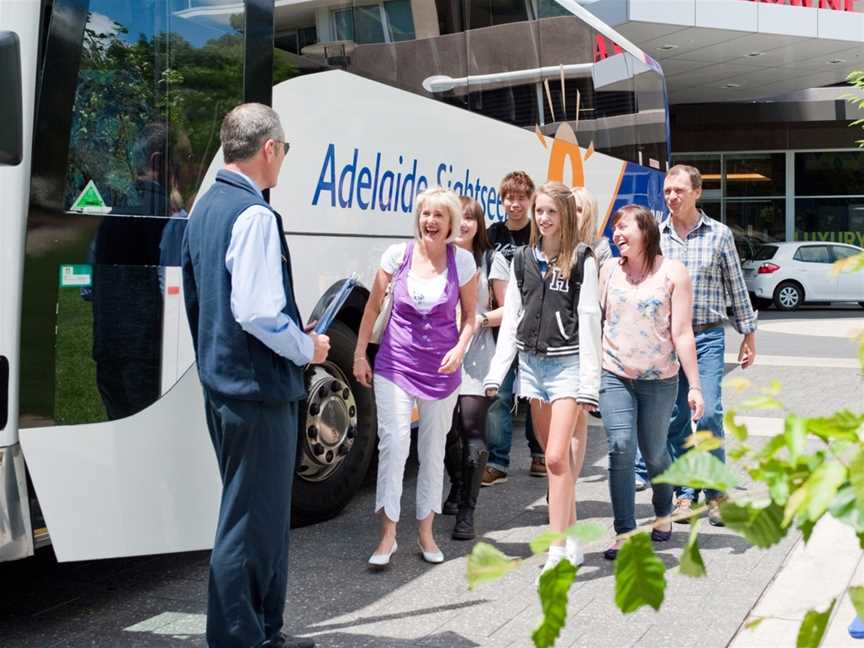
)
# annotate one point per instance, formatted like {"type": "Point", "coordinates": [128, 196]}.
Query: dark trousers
{"type": "Point", "coordinates": [255, 445]}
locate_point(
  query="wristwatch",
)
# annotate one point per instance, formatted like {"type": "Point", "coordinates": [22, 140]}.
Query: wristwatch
{"type": "Point", "coordinates": [484, 321]}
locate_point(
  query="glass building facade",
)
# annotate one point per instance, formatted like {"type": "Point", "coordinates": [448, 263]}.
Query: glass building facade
{"type": "Point", "coordinates": [763, 196]}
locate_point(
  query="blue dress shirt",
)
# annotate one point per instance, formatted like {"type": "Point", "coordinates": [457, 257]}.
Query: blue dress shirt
{"type": "Point", "coordinates": [254, 260]}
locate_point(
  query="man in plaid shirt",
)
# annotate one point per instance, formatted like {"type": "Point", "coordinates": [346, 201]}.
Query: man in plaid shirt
{"type": "Point", "coordinates": [707, 248]}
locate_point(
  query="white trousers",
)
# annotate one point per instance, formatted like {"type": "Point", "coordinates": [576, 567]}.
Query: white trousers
{"type": "Point", "coordinates": [394, 442]}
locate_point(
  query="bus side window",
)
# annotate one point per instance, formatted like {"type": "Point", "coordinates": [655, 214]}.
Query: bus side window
{"type": "Point", "coordinates": [10, 108]}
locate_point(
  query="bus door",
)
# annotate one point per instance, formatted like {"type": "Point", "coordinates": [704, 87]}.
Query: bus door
{"type": "Point", "coordinates": [132, 96]}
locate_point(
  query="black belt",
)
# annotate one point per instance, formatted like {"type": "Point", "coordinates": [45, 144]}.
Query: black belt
{"type": "Point", "coordinates": [701, 328]}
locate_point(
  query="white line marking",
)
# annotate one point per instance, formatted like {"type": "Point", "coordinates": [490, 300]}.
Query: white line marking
{"type": "Point", "coordinates": [797, 361]}
{"type": "Point", "coordinates": [172, 623]}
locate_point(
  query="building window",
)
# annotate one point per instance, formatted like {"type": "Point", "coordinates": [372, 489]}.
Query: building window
{"type": "Point", "coordinates": [390, 21]}
{"type": "Point", "coordinates": [829, 205]}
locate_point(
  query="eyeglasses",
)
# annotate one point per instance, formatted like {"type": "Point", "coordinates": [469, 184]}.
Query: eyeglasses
{"type": "Point", "coordinates": [285, 146]}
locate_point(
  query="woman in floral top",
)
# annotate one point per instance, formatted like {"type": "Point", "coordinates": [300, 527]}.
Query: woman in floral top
{"type": "Point", "coordinates": [647, 309]}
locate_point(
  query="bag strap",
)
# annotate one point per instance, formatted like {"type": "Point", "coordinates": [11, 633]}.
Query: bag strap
{"type": "Point", "coordinates": [519, 267]}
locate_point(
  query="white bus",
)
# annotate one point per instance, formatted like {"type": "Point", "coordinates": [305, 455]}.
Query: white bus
{"type": "Point", "coordinates": [109, 125]}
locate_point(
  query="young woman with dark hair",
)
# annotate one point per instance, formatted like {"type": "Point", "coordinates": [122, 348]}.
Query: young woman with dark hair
{"type": "Point", "coordinates": [647, 332]}
{"type": "Point", "coordinates": [552, 317]}
{"type": "Point", "coordinates": [466, 454]}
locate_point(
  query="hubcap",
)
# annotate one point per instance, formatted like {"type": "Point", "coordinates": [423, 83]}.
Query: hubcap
{"type": "Point", "coordinates": [330, 423]}
{"type": "Point", "coordinates": [788, 296]}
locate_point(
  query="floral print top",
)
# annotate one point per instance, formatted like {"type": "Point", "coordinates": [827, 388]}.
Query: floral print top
{"type": "Point", "coordinates": [637, 324]}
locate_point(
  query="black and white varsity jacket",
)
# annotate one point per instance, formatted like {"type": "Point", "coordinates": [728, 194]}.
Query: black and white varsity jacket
{"type": "Point", "coordinates": [551, 316]}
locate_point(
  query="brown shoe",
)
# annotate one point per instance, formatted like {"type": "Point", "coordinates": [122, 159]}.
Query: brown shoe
{"type": "Point", "coordinates": [714, 517]}
{"type": "Point", "coordinates": [538, 467]}
{"type": "Point", "coordinates": [684, 506]}
{"type": "Point", "coordinates": [492, 476]}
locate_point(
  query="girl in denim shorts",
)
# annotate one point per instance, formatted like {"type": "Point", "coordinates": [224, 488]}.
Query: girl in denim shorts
{"type": "Point", "coordinates": [552, 318]}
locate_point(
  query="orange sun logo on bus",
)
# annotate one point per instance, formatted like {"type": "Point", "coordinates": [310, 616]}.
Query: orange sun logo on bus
{"type": "Point", "coordinates": [565, 149]}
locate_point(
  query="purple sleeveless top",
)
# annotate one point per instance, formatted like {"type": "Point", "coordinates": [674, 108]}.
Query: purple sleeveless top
{"type": "Point", "coordinates": [414, 343]}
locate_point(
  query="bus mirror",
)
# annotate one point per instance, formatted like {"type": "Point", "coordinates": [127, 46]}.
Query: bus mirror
{"type": "Point", "coordinates": [11, 117]}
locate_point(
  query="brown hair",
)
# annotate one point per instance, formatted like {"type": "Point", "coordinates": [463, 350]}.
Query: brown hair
{"type": "Point", "coordinates": [648, 226]}
{"type": "Point", "coordinates": [565, 203]}
{"type": "Point", "coordinates": [516, 182]}
{"type": "Point", "coordinates": [480, 243]}
{"type": "Point", "coordinates": [690, 171]}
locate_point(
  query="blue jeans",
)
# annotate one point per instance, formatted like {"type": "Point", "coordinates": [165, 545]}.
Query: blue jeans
{"type": "Point", "coordinates": [499, 426]}
{"type": "Point", "coordinates": [635, 412]}
{"type": "Point", "coordinates": [640, 468]}
{"type": "Point", "coordinates": [710, 349]}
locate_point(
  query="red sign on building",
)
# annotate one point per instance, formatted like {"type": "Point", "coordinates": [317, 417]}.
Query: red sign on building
{"type": "Point", "coordinates": [836, 5]}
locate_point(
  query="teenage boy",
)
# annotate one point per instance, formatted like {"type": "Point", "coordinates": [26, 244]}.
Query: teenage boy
{"type": "Point", "coordinates": [507, 237]}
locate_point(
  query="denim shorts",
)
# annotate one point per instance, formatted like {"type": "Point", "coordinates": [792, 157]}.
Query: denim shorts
{"type": "Point", "coordinates": [548, 378]}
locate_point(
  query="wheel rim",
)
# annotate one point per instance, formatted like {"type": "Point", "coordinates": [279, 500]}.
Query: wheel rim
{"type": "Point", "coordinates": [788, 296]}
{"type": "Point", "coordinates": [330, 423]}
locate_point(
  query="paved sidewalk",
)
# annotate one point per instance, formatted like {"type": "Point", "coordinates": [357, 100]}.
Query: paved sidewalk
{"type": "Point", "coordinates": [813, 574]}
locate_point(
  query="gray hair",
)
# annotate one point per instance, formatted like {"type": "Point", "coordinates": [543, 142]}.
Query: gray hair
{"type": "Point", "coordinates": [246, 128]}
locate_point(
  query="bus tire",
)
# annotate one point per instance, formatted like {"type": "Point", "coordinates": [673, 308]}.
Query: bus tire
{"type": "Point", "coordinates": [332, 463]}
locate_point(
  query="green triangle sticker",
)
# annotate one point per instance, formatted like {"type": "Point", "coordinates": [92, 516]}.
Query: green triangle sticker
{"type": "Point", "coordinates": [90, 201]}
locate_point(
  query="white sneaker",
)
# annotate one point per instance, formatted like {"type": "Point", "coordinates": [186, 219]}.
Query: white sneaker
{"type": "Point", "coordinates": [574, 551]}
{"type": "Point", "coordinates": [556, 555]}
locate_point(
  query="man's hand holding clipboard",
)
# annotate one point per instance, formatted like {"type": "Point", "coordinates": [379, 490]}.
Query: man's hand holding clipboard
{"type": "Point", "coordinates": [318, 329]}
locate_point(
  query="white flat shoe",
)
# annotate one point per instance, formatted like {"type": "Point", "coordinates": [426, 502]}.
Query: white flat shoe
{"type": "Point", "coordinates": [434, 557]}
{"type": "Point", "coordinates": [382, 560]}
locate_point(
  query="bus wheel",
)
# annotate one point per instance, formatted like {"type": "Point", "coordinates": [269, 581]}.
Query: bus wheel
{"type": "Point", "coordinates": [337, 433]}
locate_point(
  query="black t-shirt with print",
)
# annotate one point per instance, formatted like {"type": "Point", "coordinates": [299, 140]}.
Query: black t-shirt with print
{"type": "Point", "coordinates": [507, 241]}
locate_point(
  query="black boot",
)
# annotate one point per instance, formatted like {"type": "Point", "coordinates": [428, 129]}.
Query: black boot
{"type": "Point", "coordinates": [474, 461]}
{"type": "Point", "coordinates": [453, 463]}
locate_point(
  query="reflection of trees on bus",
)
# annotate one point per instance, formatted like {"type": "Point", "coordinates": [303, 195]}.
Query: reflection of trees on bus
{"type": "Point", "coordinates": [124, 85]}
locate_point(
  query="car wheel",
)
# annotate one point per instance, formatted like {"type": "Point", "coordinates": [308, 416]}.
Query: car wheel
{"type": "Point", "coordinates": [788, 296]}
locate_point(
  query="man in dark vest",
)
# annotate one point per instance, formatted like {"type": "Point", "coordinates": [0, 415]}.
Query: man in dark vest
{"type": "Point", "coordinates": [251, 352]}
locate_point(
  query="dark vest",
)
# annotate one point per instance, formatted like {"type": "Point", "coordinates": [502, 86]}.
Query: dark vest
{"type": "Point", "coordinates": [550, 321]}
{"type": "Point", "coordinates": [231, 362]}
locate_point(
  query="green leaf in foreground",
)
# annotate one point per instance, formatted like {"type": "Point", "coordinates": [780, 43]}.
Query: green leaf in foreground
{"type": "Point", "coordinates": [540, 543]}
{"type": "Point", "coordinates": [856, 594]}
{"type": "Point", "coordinates": [699, 470]}
{"type": "Point", "coordinates": [640, 576]}
{"type": "Point", "coordinates": [842, 425]}
{"type": "Point", "coordinates": [760, 525]}
{"type": "Point", "coordinates": [761, 403]}
{"type": "Point", "coordinates": [856, 477]}
{"type": "Point", "coordinates": [691, 560]}
{"type": "Point", "coordinates": [815, 495]}
{"type": "Point", "coordinates": [738, 430]}
{"type": "Point", "coordinates": [813, 627]}
{"type": "Point", "coordinates": [586, 532]}
{"type": "Point", "coordinates": [847, 509]}
{"type": "Point", "coordinates": [554, 587]}
{"type": "Point", "coordinates": [486, 563]}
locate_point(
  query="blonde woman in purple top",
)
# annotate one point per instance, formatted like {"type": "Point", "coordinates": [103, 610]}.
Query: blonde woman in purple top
{"type": "Point", "coordinates": [419, 361]}
{"type": "Point", "coordinates": [647, 305]}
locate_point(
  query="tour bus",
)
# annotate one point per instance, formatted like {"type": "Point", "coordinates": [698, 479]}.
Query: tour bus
{"type": "Point", "coordinates": [109, 129]}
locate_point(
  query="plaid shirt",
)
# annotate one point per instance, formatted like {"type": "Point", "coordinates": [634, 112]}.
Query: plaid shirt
{"type": "Point", "coordinates": [710, 256]}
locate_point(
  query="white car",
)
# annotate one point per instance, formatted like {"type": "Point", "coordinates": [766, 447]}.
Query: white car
{"type": "Point", "coordinates": [790, 274]}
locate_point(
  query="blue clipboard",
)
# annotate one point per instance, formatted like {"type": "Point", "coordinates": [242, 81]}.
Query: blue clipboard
{"type": "Point", "coordinates": [335, 305]}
